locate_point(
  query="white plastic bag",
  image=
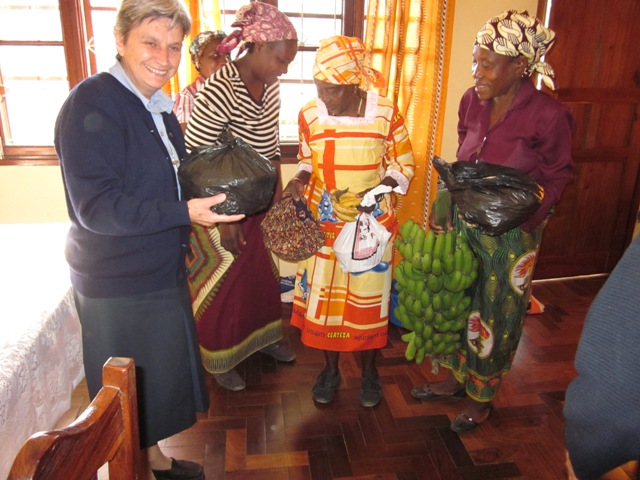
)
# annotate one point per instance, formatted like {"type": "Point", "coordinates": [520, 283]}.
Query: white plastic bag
{"type": "Point", "coordinates": [361, 244]}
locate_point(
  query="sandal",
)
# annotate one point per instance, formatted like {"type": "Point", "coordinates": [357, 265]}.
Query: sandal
{"type": "Point", "coordinates": [464, 423]}
{"type": "Point", "coordinates": [424, 392]}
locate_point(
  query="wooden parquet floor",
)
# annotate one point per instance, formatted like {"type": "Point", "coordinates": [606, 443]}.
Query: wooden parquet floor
{"type": "Point", "coordinates": [272, 430]}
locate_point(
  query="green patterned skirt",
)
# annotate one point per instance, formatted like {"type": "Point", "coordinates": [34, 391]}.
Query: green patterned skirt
{"type": "Point", "coordinates": [499, 305]}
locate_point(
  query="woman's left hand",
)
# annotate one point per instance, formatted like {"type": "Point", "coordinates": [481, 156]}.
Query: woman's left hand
{"type": "Point", "coordinates": [388, 181]}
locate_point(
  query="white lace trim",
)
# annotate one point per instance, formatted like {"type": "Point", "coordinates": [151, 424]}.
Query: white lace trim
{"type": "Point", "coordinates": [369, 113]}
{"type": "Point", "coordinates": [403, 182]}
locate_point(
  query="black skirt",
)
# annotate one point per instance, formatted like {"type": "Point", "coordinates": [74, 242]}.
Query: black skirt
{"type": "Point", "coordinates": [157, 330]}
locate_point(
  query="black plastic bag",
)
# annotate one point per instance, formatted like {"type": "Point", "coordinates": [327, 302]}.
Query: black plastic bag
{"type": "Point", "coordinates": [493, 197]}
{"type": "Point", "coordinates": [232, 167]}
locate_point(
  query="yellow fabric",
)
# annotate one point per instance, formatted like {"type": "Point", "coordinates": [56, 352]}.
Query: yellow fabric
{"type": "Point", "coordinates": [345, 153]}
{"type": "Point", "coordinates": [339, 61]}
{"type": "Point", "coordinates": [408, 42]}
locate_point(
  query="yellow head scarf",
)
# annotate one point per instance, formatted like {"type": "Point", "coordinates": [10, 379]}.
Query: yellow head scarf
{"type": "Point", "coordinates": [514, 33]}
{"type": "Point", "coordinates": [339, 60]}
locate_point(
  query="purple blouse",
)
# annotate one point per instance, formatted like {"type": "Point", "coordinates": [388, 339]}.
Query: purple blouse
{"type": "Point", "coordinates": [533, 136]}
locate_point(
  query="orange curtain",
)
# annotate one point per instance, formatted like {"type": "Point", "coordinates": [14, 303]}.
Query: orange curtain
{"type": "Point", "coordinates": [205, 15]}
{"type": "Point", "coordinates": [408, 41]}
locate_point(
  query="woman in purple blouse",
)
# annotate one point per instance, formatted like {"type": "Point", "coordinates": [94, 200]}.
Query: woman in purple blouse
{"type": "Point", "coordinates": [504, 120]}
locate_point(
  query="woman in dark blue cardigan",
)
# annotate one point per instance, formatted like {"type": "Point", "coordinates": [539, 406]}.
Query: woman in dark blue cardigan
{"type": "Point", "coordinates": [119, 146]}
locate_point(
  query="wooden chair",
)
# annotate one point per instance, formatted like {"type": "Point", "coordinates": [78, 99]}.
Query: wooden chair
{"type": "Point", "coordinates": [107, 431]}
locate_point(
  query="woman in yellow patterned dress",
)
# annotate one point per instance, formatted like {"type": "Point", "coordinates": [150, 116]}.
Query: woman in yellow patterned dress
{"type": "Point", "coordinates": [351, 141]}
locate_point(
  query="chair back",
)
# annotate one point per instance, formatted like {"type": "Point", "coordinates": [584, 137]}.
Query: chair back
{"type": "Point", "coordinates": [107, 431]}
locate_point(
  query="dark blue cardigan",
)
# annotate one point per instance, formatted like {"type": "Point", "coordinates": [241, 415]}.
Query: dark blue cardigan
{"type": "Point", "coordinates": [129, 230]}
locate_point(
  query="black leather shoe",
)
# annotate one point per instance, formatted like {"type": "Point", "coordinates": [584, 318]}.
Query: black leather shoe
{"type": "Point", "coordinates": [370, 392]}
{"type": "Point", "coordinates": [424, 392]}
{"type": "Point", "coordinates": [180, 470]}
{"type": "Point", "coordinates": [325, 388]}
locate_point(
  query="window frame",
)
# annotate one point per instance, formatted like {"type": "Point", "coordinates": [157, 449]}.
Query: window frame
{"type": "Point", "coordinates": [75, 19]}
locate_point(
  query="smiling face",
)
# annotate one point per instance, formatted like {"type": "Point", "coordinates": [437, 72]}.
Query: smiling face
{"type": "Point", "coordinates": [495, 75]}
{"type": "Point", "coordinates": [150, 53]}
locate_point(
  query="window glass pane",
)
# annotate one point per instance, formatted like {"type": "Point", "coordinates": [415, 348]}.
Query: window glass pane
{"type": "Point", "coordinates": [103, 43]}
{"type": "Point", "coordinates": [33, 99]}
{"type": "Point", "coordinates": [300, 67]}
{"type": "Point", "coordinates": [327, 7]}
{"type": "Point", "coordinates": [41, 16]}
{"type": "Point", "coordinates": [226, 20]}
{"type": "Point", "coordinates": [312, 30]}
{"type": "Point", "coordinates": [227, 6]}
{"type": "Point", "coordinates": [293, 97]}
{"type": "Point", "coordinates": [104, 3]}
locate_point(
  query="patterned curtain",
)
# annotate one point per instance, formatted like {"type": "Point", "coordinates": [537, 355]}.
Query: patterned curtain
{"type": "Point", "coordinates": [408, 42]}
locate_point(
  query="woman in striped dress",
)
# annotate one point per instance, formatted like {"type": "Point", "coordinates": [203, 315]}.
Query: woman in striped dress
{"type": "Point", "coordinates": [234, 280]}
{"type": "Point", "coordinates": [351, 141]}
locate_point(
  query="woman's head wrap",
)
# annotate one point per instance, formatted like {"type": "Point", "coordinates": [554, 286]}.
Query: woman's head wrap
{"type": "Point", "coordinates": [201, 41]}
{"type": "Point", "coordinates": [340, 60]}
{"type": "Point", "coordinates": [258, 22]}
{"type": "Point", "coordinates": [514, 33]}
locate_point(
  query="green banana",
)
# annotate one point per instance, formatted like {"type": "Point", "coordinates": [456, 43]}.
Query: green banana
{"type": "Point", "coordinates": [429, 242]}
{"type": "Point", "coordinates": [432, 280]}
{"type": "Point", "coordinates": [438, 249]}
{"type": "Point", "coordinates": [425, 263]}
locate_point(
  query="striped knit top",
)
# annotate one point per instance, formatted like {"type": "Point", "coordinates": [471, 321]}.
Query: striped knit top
{"type": "Point", "coordinates": [225, 101]}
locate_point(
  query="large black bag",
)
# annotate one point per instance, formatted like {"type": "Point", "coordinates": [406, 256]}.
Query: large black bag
{"type": "Point", "coordinates": [231, 166]}
{"type": "Point", "coordinates": [493, 197]}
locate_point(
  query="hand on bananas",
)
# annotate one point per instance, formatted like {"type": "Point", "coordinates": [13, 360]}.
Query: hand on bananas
{"type": "Point", "coordinates": [432, 282]}
{"type": "Point", "coordinates": [345, 204]}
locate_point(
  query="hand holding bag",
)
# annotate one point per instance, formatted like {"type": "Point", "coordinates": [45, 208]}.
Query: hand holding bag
{"type": "Point", "coordinates": [290, 230]}
{"type": "Point", "coordinates": [361, 244]}
{"type": "Point", "coordinates": [233, 167]}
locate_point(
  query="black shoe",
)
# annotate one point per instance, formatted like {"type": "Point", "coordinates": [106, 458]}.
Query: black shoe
{"type": "Point", "coordinates": [180, 470]}
{"type": "Point", "coordinates": [424, 392]}
{"type": "Point", "coordinates": [370, 392]}
{"type": "Point", "coordinates": [325, 388]}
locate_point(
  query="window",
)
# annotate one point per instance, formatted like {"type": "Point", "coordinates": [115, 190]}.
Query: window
{"type": "Point", "coordinates": [69, 40]}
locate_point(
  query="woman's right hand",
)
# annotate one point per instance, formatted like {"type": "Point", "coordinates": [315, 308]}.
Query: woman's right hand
{"type": "Point", "coordinates": [232, 237]}
{"type": "Point", "coordinates": [436, 227]}
{"type": "Point", "coordinates": [295, 188]}
{"type": "Point", "coordinates": [297, 185]}
{"type": "Point", "coordinates": [200, 211]}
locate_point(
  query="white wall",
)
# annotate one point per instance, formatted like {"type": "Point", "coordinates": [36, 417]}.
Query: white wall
{"type": "Point", "coordinates": [31, 195]}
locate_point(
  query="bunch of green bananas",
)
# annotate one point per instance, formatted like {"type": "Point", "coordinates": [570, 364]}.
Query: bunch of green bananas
{"type": "Point", "coordinates": [432, 280]}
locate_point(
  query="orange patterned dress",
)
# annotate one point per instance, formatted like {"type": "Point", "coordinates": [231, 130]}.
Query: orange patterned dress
{"type": "Point", "coordinates": [336, 310]}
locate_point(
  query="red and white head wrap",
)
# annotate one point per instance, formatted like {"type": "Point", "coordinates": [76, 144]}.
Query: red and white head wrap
{"type": "Point", "coordinates": [340, 60]}
{"type": "Point", "coordinates": [514, 33]}
{"type": "Point", "coordinates": [258, 22]}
